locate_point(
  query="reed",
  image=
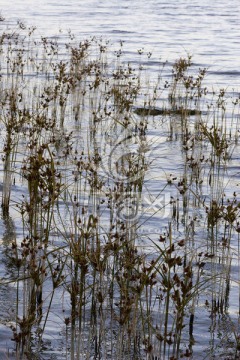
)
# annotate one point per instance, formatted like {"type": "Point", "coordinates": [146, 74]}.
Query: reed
{"type": "Point", "coordinates": [77, 121]}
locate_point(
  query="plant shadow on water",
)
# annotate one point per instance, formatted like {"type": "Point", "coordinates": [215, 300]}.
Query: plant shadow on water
{"type": "Point", "coordinates": [120, 209]}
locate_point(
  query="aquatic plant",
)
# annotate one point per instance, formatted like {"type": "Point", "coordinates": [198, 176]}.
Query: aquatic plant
{"type": "Point", "coordinates": [81, 144]}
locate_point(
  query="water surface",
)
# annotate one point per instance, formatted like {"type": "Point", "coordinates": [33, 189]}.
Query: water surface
{"type": "Point", "coordinates": [207, 30]}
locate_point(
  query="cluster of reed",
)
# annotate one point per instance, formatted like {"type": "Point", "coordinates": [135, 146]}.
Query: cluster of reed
{"type": "Point", "coordinates": [76, 157]}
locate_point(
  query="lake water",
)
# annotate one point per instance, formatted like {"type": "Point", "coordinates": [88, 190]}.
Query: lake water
{"type": "Point", "coordinates": [167, 29]}
{"type": "Point", "coordinates": [207, 30]}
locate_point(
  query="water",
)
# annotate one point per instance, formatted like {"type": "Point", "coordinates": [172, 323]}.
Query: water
{"type": "Point", "coordinates": [207, 30]}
